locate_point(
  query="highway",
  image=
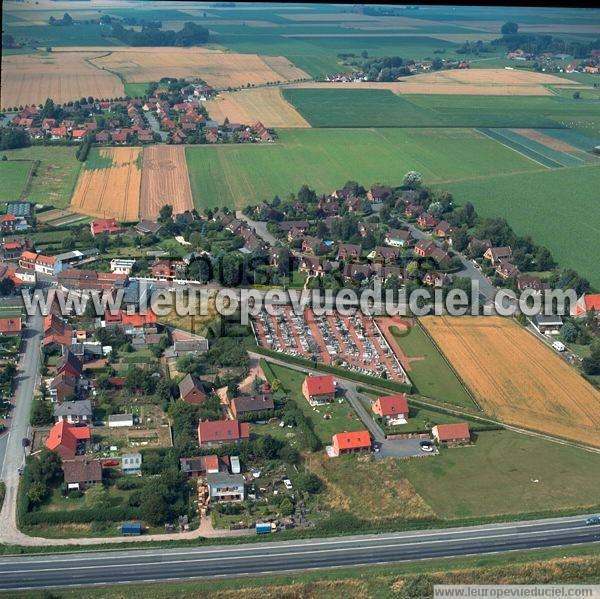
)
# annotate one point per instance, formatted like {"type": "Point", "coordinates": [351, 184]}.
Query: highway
{"type": "Point", "coordinates": [135, 565]}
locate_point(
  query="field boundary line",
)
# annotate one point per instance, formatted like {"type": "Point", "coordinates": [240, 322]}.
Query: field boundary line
{"type": "Point", "coordinates": [483, 132]}
{"type": "Point", "coordinates": [35, 164]}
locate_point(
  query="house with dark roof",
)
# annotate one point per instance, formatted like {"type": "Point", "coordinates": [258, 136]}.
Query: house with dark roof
{"type": "Point", "coordinates": [74, 412]}
{"type": "Point", "coordinates": [399, 238]}
{"type": "Point", "coordinates": [349, 251]}
{"type": "Point", "coordinates": [251, 404]}
{"type": "Point", "coordinates": [191, 389]}
{"type": "Point", "coordinates": [496, 254]}
{"type": "Point", "coordinates": [384, 254]}
{"type": "Point", "coordinates": [82, 474]}
{"type": "Point", "coordinates": [378, 193]}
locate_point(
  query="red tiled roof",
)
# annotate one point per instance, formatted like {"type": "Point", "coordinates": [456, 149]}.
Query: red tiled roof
{"type": "Point", "coordinates": [8, 218]}
{"type": "Point", "coordinates": [222, 430]}
{"type": "Point", "coordinates": [448, 432]}
{"type": "Point", "coordinates": [105, 225]}
{"type": "Point", "coordinates": [10, 324]}
{"type": "Point", "coordinates": [352, 440]}
{"type": "Point", "coordinates": [12, 245]}
{"type": "Point", "coordinates": [211, 462]}
{"type": "Point", "coordinates": [320, 385]}
{"type": "Point", "coordinates": [64, 435]}
{"type": "Point", "coordinates": [391, 405]}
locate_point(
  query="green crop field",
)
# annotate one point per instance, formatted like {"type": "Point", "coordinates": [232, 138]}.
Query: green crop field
{"type": "Point", "coordinates": [56, 175]}
{"type": "Point", "coordinates": [383, 108]}
{"type": "Point", "coordinates": [48, 35]}
{"type": "Point", "coordinates": [240, 175]}
{"type": "Point", "coordinates": [13, 175]}
{"type": "Point", "coordinates": [505, 473]}
{"type": "Point", "coordinates": [558, 208]}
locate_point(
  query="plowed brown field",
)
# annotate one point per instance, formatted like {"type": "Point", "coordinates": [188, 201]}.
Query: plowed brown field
{"type": "Point", "coordinates": [113, 191]}
{"type": "Point", "coordinates": [165, 180]}
{"type": "Point", "coordinates": [516, 378]}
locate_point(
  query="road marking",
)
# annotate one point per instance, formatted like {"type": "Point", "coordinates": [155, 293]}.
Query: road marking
{"type": "Point", "coordinates": [294, 553]}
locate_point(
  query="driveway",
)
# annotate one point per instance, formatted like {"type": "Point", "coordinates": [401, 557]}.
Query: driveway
{"type": "Point", "coordinates": [404, 448]}
{"type": "Point", "coordinates": [260, 226]}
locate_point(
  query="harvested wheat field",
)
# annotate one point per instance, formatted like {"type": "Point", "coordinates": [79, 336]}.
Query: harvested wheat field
{"type": "Point", "coordinates": [249, 105]}
{"type": "Point", "coordinates": [62, 76]}
{"type": "Point", "coordinates": [112, 190]}
{"type": "Point", "coordinates": [165, 180]}
{"type": "Point", "coordinates": [516, 378]}
{"type": "Point", "coordinates": [219, 69]}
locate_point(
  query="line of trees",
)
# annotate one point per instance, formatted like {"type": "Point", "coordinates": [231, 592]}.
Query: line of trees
{"type": "Point", "coordinates": [191, 34]}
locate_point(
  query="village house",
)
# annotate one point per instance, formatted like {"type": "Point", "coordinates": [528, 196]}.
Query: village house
{"type": "Point", "coordinates": [349, 251]}
{"type": "Point", "coordinates": [393, 408]}
{"type": "Point", "coordinates": [146, 227]}
{"type": "Point", "coordinates": [201, 465]}
{"type": "Point", "coordinates": [105, 225]}
{"type": "Point", "coordinates": [398, 238]}
{"type": "Point", "coordinates": [313, 245]}
{"type": "Point", "coordinates": [386, 272]}
{"type": "Point", "coordinates": [122, 266]}
{"type": "Point", "coordinates": [451, 433]}
{"type": "Point", "coordinates": [219, 432]}
{"type": "Point", "coordinates": [224, 487]}
{"type": "Point", "coordinates": [384, 254]}
{"type": "Point", "coordinates": [67, 440]}
{"type": "Point", "coordinates": [74, 412]}
{"type": "Point", "coordinates": [443, 229]}
{"type": "Point", "coordinates": [10, 326]}
{"type": "Point", "coordinates": [588, 302]}
{"type": "Point", "coordinates": [428, 249]}
{"type": "Point", "coordinates": [365, 229]}
{"type": "Point", "coordinates": [314, 266]}
{"type": "Point", "coordinates": [81, 279]}
{"type": "Point", "coordinates": [352, 204]}
{"type": "Point", "coordinates": [357, 272]}
{"type": "Point", "coordinates": [534, 283]}
{"type": "Point", "coordinates": [497, 254]}
{"type": "Point", "coordinates": [435, 279]}
{"type": "Point", "coordinates": [300, 225]}
{"type": "Point", "coordinates": [82, 474]}
{"type": "Point", "coordinates": [506, 270]}
{"type": "Point", "coordinates": [547, 324]}
{"type": "Point", "coordinates": [426, 221]}
{"type": "Point", "coordinates": [191, 390]}
{"type": "Point", "coordinates": [319, 389]}
{"type": "Point", "coordinates": [351, 442]}
{"type": "Point", "coordinates": [131, 463]}
{"type": "Point", "coordinates": [413, 210]}
{"type": "Point", "coordinates": [63, 388]}
{"type": "Point", "coordinates": [251, 404]}
{"type": "Point", "coordinates": [378, 193]}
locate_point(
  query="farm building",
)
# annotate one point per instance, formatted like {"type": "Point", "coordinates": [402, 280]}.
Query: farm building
{"type": "Point", "coordinates": [120, 420]}
{"type": "Point", "coordinates": [319, 389]}
{"type": "Point", "coordinates": [351, 442]}
{"type": "Point", "coordinates": [67, 440]}
{"type": "Point", "coordinates": [451, 433]}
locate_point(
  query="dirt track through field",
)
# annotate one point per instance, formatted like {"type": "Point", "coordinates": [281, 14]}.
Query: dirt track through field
{"type": "Point", "coordinates": [516, 378]}
{"type": "Point", "coordinates": [113, 191]}
{"type": "Point", "coordinates": [165, 180]}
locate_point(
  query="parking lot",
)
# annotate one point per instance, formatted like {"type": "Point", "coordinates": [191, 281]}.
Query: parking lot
{"type": "Point", "coordinates": [353, 342]}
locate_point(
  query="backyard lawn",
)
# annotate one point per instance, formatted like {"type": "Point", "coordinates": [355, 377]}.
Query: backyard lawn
{"type": "Point", "coordinates": [327, 419]}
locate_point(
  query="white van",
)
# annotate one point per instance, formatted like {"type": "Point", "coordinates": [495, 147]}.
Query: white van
{"type": "Point", "coordinates": [558, 346]}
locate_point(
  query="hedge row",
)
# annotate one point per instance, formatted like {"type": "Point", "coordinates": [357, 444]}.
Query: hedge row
{"type": "Point", "coordinates": [112, 514]}
{"type": "Point", "coordinates": [346, 374]}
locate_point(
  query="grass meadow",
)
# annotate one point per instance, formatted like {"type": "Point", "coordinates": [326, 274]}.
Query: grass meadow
{"type": "Point", "coordinates": [56, 175]}
{"type": "Point", "coordinates": [13, 175]}
{"type": "Point", "coordinates": [557, 207]}
{"type": "Point", "coordinates": [236, 175]}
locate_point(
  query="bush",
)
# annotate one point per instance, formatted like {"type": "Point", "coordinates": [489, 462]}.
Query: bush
{"type": "Point", "coordinates": [125, 483]}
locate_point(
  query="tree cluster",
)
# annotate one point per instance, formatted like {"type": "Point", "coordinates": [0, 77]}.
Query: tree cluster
{"type": "Point", "coordinates": [191, 34]}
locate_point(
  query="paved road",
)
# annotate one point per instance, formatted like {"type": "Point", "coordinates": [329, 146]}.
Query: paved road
{"type": "Point", "coordinates": [63, 570]}
{"type": "Point", "coordinates": [260, 226]}
{"type": "Point", "coordinates": [14, 454]}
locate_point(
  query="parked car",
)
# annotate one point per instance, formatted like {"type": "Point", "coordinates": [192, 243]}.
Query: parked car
{"type": "Point", "coordinates": [558, 346]}
{"type": "Point", "coordinates": [288, 484]}
{"type": "Point", "coordinates": [426, 446]}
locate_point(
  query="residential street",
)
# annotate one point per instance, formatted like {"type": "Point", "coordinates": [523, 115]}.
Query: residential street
{"type": "Point", "coordinates": [14, 454]}
{"type": "Point", "coordinates": [260, 226]}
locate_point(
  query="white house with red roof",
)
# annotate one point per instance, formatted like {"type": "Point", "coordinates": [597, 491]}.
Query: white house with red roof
{"type": "Point", "coordinates": [319, 389]}
{"type": "Point", "coordinates": [394, 408]}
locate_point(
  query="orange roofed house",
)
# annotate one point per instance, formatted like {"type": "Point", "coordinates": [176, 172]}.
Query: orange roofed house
{"type": "Point", "coordinates": [451, 433]}
{"type": "Point", "coordinates": [351, 442]}
{"type": "Point", "coordinates": [394, 408]}
{"type": "Point", "coordinates": [587, 303]}
{"type": "Point", "coordinates": [318, 389]}
{"type": "Point", "coordinates": [220, 432]}
{"type": "Point", "coordinates": [67, 440]}
{"type": "Point", "coordinates": [105, 225]}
